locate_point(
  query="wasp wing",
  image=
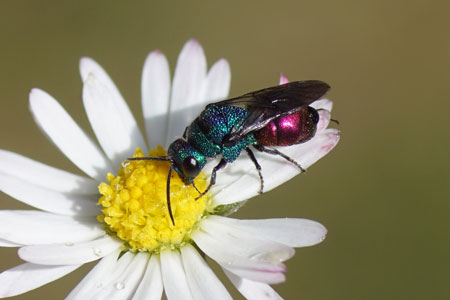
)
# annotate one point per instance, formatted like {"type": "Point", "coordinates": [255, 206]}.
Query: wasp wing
{"type": "Point", "coordinates": [267, 104]}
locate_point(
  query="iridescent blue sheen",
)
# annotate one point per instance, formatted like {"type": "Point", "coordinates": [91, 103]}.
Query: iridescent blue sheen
{"type": "Point", "coordinates": [231, 153]}
{"type": "Point", "coordinates": [208, 131]}
{"type": "Point", "coordinates": [199, 140]}
{"type": "Point", "coordinates": [220, 120]}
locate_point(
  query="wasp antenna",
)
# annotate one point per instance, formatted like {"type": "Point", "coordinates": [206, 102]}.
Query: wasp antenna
{"type": "Point", "coordinates": [158, 158]}
{"type": "Point", "coordinates": [335, 121]}
{"type": "Point", "coordinates": [168, 195]}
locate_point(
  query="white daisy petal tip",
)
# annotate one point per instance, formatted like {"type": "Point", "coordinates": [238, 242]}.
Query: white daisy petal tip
{"type": "Point", "coordinates": [156, 52]}
{"type": "Point", "coordinates": [333, 139]}
{"type": "Point", "coordinates": [33, 92]}
{"type": "Point", "coordinates": [154, 55]}
{"type": "Point", "coordinates": [216, 85]}
{"type": "Point", "coordinates": [283, 79]}
{"type": "Point", "coordinates": [38, 95]}
{"type": "Point", "coordinates": [322, 237]}
{"type": "Point", "coordinates": [193, 42]}
{"type": "Point", "coordinates": [223, 72]}
{"type": "Point", "coordinates": [193, 48]}
{"type": "Point", "coordinates": [84, 61]}
{"type": "Point", "coordinates": [26, 277]}
{"type": "Point", "coordinates": [313, 233]}
{"type": "Point", "coordinates": [35, 96]}
{"type": "Point", "coordinates": [223, 64]}
{"type": "Point", "coordinates": [87, 66]}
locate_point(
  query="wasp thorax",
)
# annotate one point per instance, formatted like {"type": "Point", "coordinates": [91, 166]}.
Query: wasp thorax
{"type": "Point", "coordinates": [135, 208]}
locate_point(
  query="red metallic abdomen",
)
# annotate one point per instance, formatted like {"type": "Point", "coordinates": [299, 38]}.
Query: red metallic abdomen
{"type": "Point", "coordinates": [295, 128]}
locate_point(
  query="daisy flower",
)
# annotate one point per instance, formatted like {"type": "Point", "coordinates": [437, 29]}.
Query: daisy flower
{"type": "Point", "coordinates": [117, 213]}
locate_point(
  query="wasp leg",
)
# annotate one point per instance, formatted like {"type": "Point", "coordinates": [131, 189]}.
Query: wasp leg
{"type": "Point", "coordinates": [193, 184]}
{"type": "Point", "coordinates": [276, 152]}
{"type": "Point", "coordinates": [258, 168]}
{"type": "Point", "coordinates": [168, 195]}
{"type": "Point", "coordinates": [219, 166]}
{"type": "Point", "coordinates": [185, 132]}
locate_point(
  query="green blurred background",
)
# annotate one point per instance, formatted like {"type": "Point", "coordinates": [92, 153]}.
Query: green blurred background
{"type": "Point", "coordinates": [383, 193]}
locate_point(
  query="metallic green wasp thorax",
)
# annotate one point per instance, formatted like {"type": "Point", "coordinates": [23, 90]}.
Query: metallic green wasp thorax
{"type": "Point", "coordinates": [208, 131]}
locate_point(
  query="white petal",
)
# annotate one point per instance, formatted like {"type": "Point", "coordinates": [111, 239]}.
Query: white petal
{"type": "Point", "coordinates": [30, 227]}
{"type": "Point", "coordinates": [174, 277]}
{"type": "Point", "coordinates": [111, 120]}
{"type": "Point", "coordinates": [122, 284]}
{"type": "Point", "coordinates": [67, 136]}
{"type": "Point", "coordinates": [186, 101]}
{"type": "Point", "coordinates": [244, 254]}
{"type": "Point", "coordinates": [291, 232]}
{"type": "Point", "coordinates": [5, 243]}
{"type": "Point", "coordinates": [322, 104]}
{"type": "Point", "coordinates": [240, 181]}
{"type": "Point", "coordinates": [27, 277]}
{"type": "Point", "coordinates": [51, 201]}
{"type": "Point", "coordinates": [99, 275]}
{"type": "Point", "coordinates": [37, 173]}
{"type": "Point", "coordinates": [217, 82]}
{"type": "Point", "coordinates": [240, 243]}
{"type": "Point", "coordinates": [324, 120]}
{"type": "Point", "coordinates": [68, 254]}
{"type": "Point", "coordinates": [202, 281]}
{"type": "Point", "coordinates": [90, 66]}
{"type": "Point", "coordinates": [155, 97]}
{"type": "Point", "coordinates": [151, 286]}
{"type": "Point", "coordinates": [253, 290]}
{"type": "Point", "coordinates": [267, 275]}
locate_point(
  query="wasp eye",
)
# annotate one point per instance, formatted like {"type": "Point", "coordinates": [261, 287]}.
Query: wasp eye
{"type": "Point", "coordinates": [190, 167]}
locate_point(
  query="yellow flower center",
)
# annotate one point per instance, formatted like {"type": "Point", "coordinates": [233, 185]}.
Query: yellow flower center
{"type": "Point", "coordinates": [135, 204]}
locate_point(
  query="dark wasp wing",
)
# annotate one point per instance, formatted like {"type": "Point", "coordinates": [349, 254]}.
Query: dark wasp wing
{"type": "Point", "coordinates": [267, 104]}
